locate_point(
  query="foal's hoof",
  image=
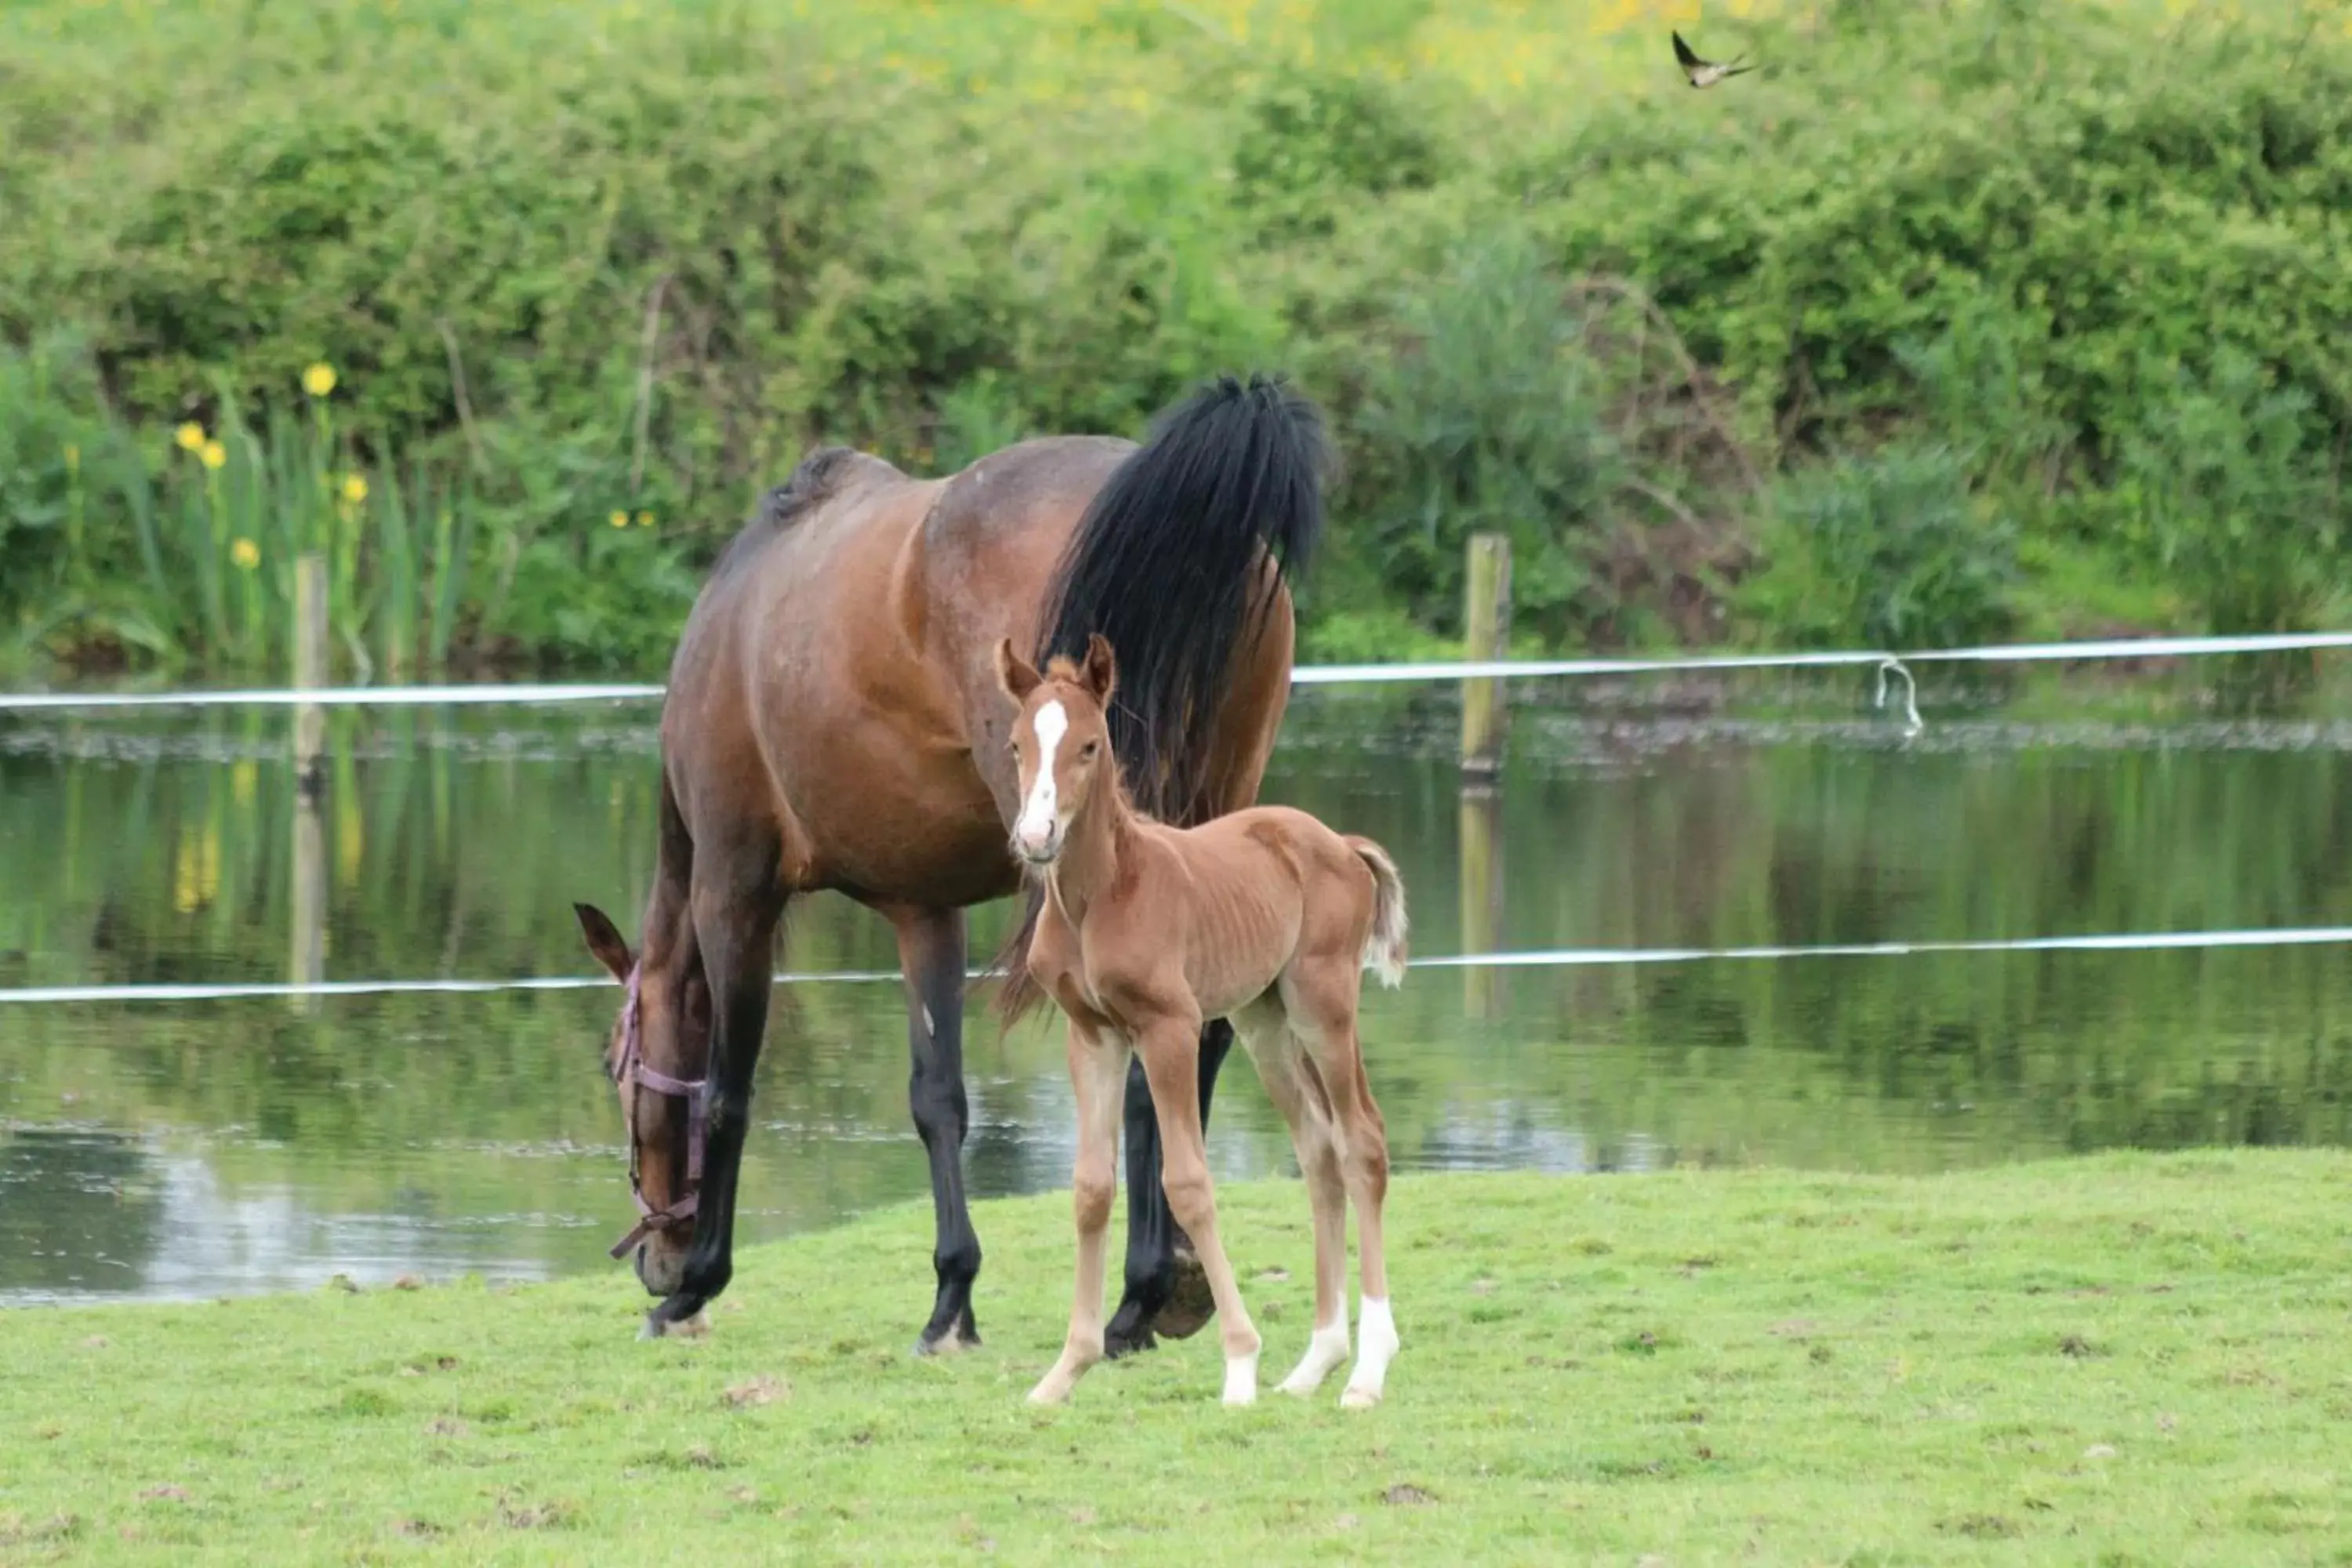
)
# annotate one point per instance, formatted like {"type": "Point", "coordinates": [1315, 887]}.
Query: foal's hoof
{"type": "Point", "coordinates": [1189, 1305]}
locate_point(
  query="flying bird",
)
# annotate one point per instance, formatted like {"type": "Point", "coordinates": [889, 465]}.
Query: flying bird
{"type": "Point", "coordinates": [1707, 73]}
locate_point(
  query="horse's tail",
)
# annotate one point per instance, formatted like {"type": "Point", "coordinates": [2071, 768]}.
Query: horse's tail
{"type": "Point", "coordinates": [1384, 948]}
{"type": "Point", "coordinates": [1169, 563]}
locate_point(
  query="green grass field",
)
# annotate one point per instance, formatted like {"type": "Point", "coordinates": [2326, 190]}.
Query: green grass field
{"type": "Point", "coordinates": [2128, 1359]}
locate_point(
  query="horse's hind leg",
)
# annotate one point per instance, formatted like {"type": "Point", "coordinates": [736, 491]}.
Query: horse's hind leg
{"type": "Point", "coordinates": [1098, 1062]}
{"type": "Point", "coordinates": [736, 903]}
{"type": "Point", "coordinates": [931, 957]}
{"type": "Point", "coordinates": [1166, 1290]}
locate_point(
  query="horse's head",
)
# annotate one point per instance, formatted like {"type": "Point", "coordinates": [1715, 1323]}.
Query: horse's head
{"type": "Point", "coordinates": [656, 1054]}
{"type": "Point", "coordinates": [1061, 741]}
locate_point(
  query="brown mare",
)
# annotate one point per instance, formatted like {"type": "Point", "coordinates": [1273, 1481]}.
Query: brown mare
{"type": "Point", "coordinates": [1265, 917]}
{"type": "Point", "coordinates": [833, 720]}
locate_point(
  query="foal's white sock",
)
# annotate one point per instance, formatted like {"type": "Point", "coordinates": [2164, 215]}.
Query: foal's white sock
{"type": "Point", "coordinates": [1377, 1345]}
{"type": "Point", "coordinates": [1327, 1349]}
{"type": "Point", "coordinates": [1241, 1379]}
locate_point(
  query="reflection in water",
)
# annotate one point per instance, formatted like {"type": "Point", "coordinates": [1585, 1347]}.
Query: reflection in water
{"type": "Point", "coordinates": [200, 1148]}
{"type": "Point", "coordinates": [93, 1214]}
{"type": "Point", "coordinates": [79, 1213]}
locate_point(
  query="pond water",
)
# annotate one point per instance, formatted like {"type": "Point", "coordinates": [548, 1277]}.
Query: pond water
{"type": "Point", "coordinates": [193, 1148]}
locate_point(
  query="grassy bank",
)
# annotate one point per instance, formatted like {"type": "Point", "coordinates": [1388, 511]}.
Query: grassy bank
{"type": "Point", "coordinates": [2121, 1360]}
{"type": "Point", "coordinates": [1948, 323]}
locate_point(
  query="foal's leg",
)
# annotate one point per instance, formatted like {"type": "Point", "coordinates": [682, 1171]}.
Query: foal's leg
{"type": "Point", "coordinates": [1169, 1049]}
{"type": "Point", "coordinates": [1164, 1281]}
{"type": "Point", "coordinates": [736, 903]}
{"type": "Point", "coordinates": [931, 957]}
{"type": "Point", "coordinates": [1364, 1159]}
{"type": "Point", "coordinates": [1322, 1001]}
{"type": "Point", "coordinates": [1297, 1091]}
{"type": "Point", "coordinates": [1097, 1064]}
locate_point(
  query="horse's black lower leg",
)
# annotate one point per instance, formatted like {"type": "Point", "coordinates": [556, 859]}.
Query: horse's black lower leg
{"type": "Point", "coordinates": [735, 928]}
{"type": "Point", "coordinates": [1154, 1277]}
{"type": "Point", "coordinates": [932, 957]}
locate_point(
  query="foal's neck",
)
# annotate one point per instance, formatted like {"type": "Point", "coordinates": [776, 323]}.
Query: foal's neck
{"type": "Point", "coordinates": [1088, 867]}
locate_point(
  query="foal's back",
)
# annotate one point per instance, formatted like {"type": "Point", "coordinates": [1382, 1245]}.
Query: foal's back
{"type": "Point", "coordinates": [1260, 893]}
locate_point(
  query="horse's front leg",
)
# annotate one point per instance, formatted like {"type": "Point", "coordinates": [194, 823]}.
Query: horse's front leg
{"type": "Point", "coordinates": [1166, 1290]}
{"type": "Point", "coordinates": [931, 957]}
{"type": "Point", "coordinates": [736, 906]}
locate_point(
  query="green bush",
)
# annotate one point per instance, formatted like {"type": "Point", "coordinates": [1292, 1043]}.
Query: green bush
{"type": "Point", "coordinates": [1884, 550]}
{"type": "Point", "coordinates": [2082, 265]}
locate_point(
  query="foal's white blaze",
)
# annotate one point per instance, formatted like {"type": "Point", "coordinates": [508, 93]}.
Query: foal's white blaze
{"type": "Point", "coordinates": [1033, 830]}
{"type": "Point", "coordinates": [1376, 1343]}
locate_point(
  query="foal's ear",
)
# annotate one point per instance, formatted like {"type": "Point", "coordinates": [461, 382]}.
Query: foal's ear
{"type": "Point", "coordinates": [1015, 675]}
{"type": "Point", "coordinates": [606, 942]}
{"type": "Point", "coordinates": [1101, 672]}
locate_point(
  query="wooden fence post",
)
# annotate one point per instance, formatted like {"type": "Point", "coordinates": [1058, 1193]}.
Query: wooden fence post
{"type": "Point", "coordinates": [310, 668]}
{"type": "Point", "coordinates": [1487, 624]}
{"type": "Point", "coordinates": [307, 960]}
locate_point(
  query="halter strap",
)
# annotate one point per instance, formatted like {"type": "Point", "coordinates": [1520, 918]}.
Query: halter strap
{"type": "Point", "coordinates": [633, 1075]}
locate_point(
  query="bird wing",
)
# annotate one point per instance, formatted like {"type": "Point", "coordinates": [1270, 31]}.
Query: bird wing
{"type": "Point", "coordinates": [1683, 52]}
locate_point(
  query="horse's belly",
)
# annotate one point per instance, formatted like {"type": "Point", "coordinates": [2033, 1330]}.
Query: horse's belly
{"type": "Point", "coordinates": [894, 834]}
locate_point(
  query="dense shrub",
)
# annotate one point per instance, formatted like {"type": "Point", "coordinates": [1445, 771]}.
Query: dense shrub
{"type": "Point", "coordinates": [2081, 268]}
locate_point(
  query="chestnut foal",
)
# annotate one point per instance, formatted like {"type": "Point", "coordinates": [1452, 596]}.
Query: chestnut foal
{"type": "Point", "coordinates": [1265, 917]}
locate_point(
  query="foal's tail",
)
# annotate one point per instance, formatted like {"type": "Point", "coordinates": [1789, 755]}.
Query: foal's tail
{"type": "Point", "coordinates": [1384, 949]}
{"type": "Point", "coordinates": [1169, 563]}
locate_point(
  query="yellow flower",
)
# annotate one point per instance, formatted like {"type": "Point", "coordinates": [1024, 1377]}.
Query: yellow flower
{"type": "Point", "coordinates": [620, 519]}
{"type": "Point", "coordinates": [215, 454]}
{"type": "Point", "coordinates": [644, 520]}
{"type": "Point", "coordinates": [246, 553]}
{"type": "Point", "coordinates": [190, 436]}
{"type": "Point", "coordinates": [356, 487]}
{"type": "Point", "coordinates": [319, 379]}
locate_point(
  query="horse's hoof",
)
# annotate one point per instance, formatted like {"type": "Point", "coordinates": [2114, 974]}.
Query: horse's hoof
{"type": "Point", "coordinates": [1128, 1339]}
{"type": "Point", "coordinates": [1190, 1304]}
{"type": "Point", "coordinates": [953, 1342]}
{"type": "Point", "coordinates": [693, 1327]}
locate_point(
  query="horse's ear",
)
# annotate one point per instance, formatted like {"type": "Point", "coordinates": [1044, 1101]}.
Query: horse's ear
{"type": "Point", "coordinates": [1102, 671]}
{"type": "Point", "coordinates": [1015, 675]}
{"type": "Point", "coordinates": [605, 940]}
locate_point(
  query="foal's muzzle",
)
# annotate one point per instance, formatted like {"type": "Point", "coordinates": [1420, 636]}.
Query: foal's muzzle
{"type": "Point", "coordinates": [1040, 850]}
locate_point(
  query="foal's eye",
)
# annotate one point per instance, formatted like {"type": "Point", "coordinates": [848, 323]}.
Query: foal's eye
{"type": "Point", "coordinates": [1088, 751]}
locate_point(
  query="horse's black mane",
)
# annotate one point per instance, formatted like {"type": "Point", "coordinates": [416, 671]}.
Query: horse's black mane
{"type": "Point", "coordinates": [1165, 563]}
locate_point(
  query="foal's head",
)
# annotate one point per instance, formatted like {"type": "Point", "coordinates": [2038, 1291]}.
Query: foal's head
{"type": "Point", "coordinates": [1062, 740]}
{"type": "Point", "coordinates": [661, 1036]}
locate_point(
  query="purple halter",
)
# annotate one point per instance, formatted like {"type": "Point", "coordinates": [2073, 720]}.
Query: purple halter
{"type": "Point", "coordinates": [633, 1074]}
